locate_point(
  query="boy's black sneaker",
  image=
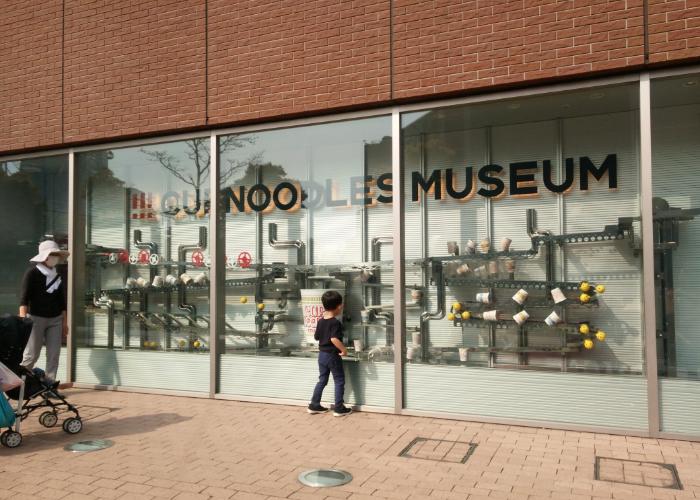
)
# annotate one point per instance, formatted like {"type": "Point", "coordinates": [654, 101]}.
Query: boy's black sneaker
{"type": "Point", "coordinates": [314, 409]}
{"type": "Point", "coordinates": [341, 411]}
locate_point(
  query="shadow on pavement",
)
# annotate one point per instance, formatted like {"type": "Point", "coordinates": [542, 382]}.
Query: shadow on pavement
{"type": "Point", "coordinates": [37, 438]}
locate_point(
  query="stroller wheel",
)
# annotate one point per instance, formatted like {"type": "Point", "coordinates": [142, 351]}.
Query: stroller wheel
{"type": "Point", "coordinates": [11, 439]}
{"type": "Point", "coordinates": [48, 419]}
{"type": "Point", "coordinates": [72, 425]}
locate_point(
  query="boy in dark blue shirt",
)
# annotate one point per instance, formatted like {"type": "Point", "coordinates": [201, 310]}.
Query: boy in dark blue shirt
{"type": "Point", "coordinates": [329, 333]}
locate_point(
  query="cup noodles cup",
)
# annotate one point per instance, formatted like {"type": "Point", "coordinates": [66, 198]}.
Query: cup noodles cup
{"type": "Point", "coordinates": [452, 248]}
{"type": "Point", "coordinates": [471, 247]}
{"type": "Point", "coordinates": [201, 279]}
{"type": "Point", "coordinates": [463, 269]}
{"type": "Point", "coordinates": [416, 294]}
{"type": "Point", "coordinates": [364, 315]}
{"type": "Point", "coordinates": [412, 352]}
{"type": "Point", "coordinates": [509, 265]}
{"type": "Point", "coordinates": [141, 282]}
{"type": "Point", "coordinates": [415, 337]}
{"type": "Point", "coordinates": [463, 354]}
{"type": "Point", "coordinates": [171, 280]}
{"type": "Point", "coordinates": [552, 319]}
{"type": "Point", "coordinates": [558, 295]}
{"type": "Point", "coordinates": [312, 308]}
{"type": "Point", "coordinates": [130, 283]}
{"type": "Point", "coordinates": [521, 317]}
{"type": "Point", "coordinates": [520, 296]}
{"type": "Point", "coordinates": [158, 281]}
{"type": "Point", "coordinates": [358, 345]}
{"type": "Point", "coordinates": [491, 315]}
{"type": "Point", "coordinates": [505, 244]}
{"type": "Point", "coordinates": [186, 279]}
{"type": "Point", "coordinates": [485, 245]}
{"type": "Point", "coordinates": [493, 267]}
{"type": "Point", "coordinates": [483, 297]}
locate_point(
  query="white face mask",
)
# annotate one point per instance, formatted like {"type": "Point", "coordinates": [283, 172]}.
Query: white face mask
{"type": "Point", "coordinates": [52, 260]}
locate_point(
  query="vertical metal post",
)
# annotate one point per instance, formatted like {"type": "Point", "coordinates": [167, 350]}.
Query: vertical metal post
{"type": "Point", "coordinates": [73, 226]}
{"type": "Point", "coordinates": [646, 188]}
{"type": "Point", "coordinates": [217, 274]}
{"type": "Point", "coordinates": [399, 224]}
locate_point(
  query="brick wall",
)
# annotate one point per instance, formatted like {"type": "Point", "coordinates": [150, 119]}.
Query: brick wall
{"type": "Point", "coordinates": [674, 29]}
{"type": "Point", "coordinates": [159, 66]}
{"type": "Point", "coordinates": [30, 73]}
{"type": "Point", "coordinates": [442, 46]}
{"type": "Point", "coordinates": [133, 67]}
{"type": "Point", "coordinates": [276, 57]}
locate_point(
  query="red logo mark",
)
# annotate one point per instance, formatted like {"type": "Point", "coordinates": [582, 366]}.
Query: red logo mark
{"type": "Point", "coordinates": [244, 260]}
{"type": "Point", "coordinates": [143, 256]}
{"type": "Point", "coordinates": [198, 258]}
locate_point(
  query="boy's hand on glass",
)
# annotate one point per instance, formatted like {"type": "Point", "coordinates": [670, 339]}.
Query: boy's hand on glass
{"type": "Point", "coordinates": [344, 352]}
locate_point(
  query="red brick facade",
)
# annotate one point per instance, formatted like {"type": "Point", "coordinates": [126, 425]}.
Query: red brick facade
{"type": "Point", "coordinates": [92, 70]}
{"type": "Point", "coordinates": [272, 57]}
{"type": "Point", "coordinates": [30, 74]}
{"type": "Point", "coordinates": [133, 67]}
{"type": "Point", "coordinates": [674, 29]}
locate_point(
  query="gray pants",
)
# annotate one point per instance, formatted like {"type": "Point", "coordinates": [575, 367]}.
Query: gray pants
{"type": "Point", "coordinates": [45, 331]}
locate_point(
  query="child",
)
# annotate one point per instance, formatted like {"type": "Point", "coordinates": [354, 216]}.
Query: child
{"type": "Point", "coordinates": [329, 333]}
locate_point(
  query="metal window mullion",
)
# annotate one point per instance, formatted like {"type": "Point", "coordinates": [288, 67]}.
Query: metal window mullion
{"type": "Point", "coordinates": [218, 269]}
{"type": "Point", "coordinates": [646, 188]}
{"type": "Point", "coordinates": [399, 225]}
{"type": "Point", "coordinates": [73, 226]}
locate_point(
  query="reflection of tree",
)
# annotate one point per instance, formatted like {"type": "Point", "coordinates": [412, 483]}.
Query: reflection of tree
{"type": "Point", "coordinates": [95, 165]}
{"type": "Point", "coordinates": [199, 155]}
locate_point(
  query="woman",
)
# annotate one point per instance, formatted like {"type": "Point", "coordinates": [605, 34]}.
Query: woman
{"type": "Point", "coordinates": [43, 299]}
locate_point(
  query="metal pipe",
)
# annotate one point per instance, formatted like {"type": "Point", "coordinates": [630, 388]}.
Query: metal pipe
{"type": "Point", "coordinates": [377, 243]}
{"type": "Point", "coordinates": [438, 277]}
{"type": "Point", "coordinates": [107, 304]}
{"type": "Point", "coordinates": [143, 245]}
{"type": "Point", "coordinates": [275, 243]}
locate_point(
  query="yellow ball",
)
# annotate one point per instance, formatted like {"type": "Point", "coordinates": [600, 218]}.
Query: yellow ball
{"type": "Point", "coordinates": [600, 335]}
{"type": "Point", "coordinates": [466, 315]}
{"type": "Point", "coordinates": [261, 306]}
{"type": "Point", "coordinates": [244, 300]}
{"type": "Point", "coordinates": [585, 298]}
{"type": "Point", "coordinates": [584, 329]}
{"type": "Point", "coordinates": [450, 317]}
{"type": "Point", "coordinates": [584, 286]}
{"type": "Point", "coordinates": [457, 306]}
{"type": "Point", "coordinates": [600, 288]}
{"type": "Point", "coordinates": [197, 344]}
{"type": "Point", "coordinates": [588, 344]}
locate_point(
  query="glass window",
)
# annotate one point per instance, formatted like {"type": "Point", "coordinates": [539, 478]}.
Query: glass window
{"type": "Point", "coordinates": [522, 227]}
{"type": "Point", "coordinates": [146, 266]}
{"type": "Point", "coordinates": [676, 207]}
{"type": "Point", "coordinates": [307, 210]}
{"type": "Point", "coordinates": [34, 194]}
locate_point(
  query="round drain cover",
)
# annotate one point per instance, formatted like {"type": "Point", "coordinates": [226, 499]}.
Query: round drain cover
{"type": "Point", "coordinates": [94, 445]}
{"type": "Point", "coordinates": [324, 478]}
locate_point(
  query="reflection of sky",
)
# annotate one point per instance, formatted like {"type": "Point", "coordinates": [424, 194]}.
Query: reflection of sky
{"type": "Point", "coordinates": [334, 150]}
{"type": "Point", "coordinates": [315, 152]}
{"type": "Point", "coordinates": [140, 171]}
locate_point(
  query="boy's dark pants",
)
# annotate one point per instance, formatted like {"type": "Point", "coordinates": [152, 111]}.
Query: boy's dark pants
{"type": "Point", "coordinates": [330, 362]}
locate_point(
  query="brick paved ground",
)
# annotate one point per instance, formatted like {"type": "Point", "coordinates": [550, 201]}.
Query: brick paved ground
{"type": "Point", "coordinates": [170, 447]}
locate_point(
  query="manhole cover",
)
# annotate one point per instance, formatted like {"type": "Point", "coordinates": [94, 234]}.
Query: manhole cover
{"type": "Point", "coordinates": [652, 474]}
{"type": "Point", "coordinates": [84, 446]}
{"type": "Point", "coordinates": [439, 450]}
{"type": "Point", "coordinates": [324, 478]}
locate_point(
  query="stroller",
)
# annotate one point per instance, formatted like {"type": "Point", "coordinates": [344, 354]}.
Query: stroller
{"type": "Point", "coordinates": [34, 394]}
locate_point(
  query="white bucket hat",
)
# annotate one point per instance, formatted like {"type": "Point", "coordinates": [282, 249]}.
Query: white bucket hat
{"type": "Point", "coordinates": [47, 248]}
